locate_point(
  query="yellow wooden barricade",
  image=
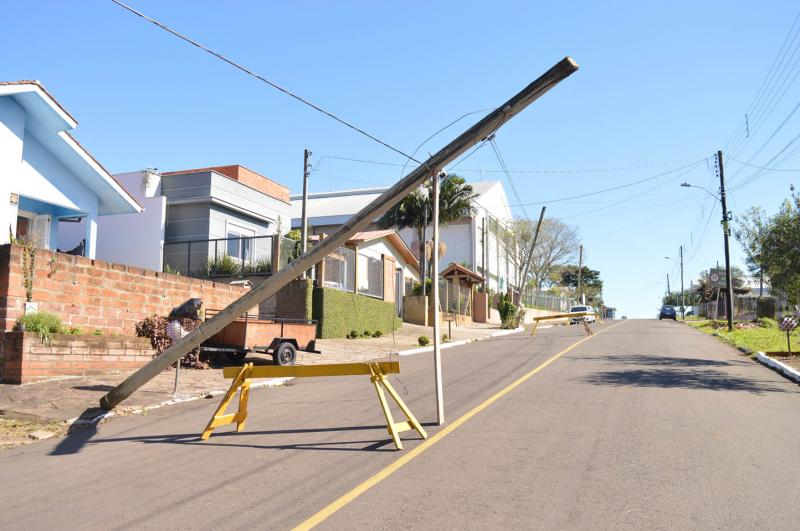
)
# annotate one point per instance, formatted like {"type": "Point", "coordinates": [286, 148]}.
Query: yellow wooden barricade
{"type": "Point", "coordinates": [377, 371]}
{"type": "Point", "coordinates": [565, 316]}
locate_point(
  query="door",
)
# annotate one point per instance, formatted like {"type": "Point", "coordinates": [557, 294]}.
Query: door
{"type": "Point", "coordinates": [41, 231]}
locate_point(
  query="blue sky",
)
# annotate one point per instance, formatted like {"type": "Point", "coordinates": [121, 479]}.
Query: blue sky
{"type": "Point", "coordinates": [660, 87]}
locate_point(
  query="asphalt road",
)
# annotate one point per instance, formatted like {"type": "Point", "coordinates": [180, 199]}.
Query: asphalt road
{"type": "Point", "coordinates": [646, 424]}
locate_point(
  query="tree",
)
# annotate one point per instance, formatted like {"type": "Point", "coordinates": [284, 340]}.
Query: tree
{"type": "Point", "coordinates": [690, 298]}
{"type": "Point", "coordinates": [557, 246]}
{"type": "Point", "coordinates": [773, 245]}
{"type": "Point", "coordinates": [591, 284]}
{"type": "Point", "coordinates": [455, 202]}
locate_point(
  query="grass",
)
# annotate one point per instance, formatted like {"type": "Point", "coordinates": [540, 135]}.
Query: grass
{"type": "Point", "coordinates": [765, 338]}
{"type": "Point", "coordinates": [15, 432]}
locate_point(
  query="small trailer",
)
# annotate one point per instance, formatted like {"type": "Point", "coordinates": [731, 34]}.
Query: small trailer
{"type": "Point", "coordinates": [280, 338]}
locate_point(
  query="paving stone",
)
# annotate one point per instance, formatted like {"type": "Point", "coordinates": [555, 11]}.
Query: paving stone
{"type": "Point", "coordinates": [40, 435]}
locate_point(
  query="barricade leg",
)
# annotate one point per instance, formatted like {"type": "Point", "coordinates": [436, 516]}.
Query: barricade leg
{"type": "Point", "coordinates": [244, 397]}
{"type": "Point", "coordinates": [535, 324]}
{"type": "Point", "coordinates": [387, 413]}
{"type": "Point", "coordinates": [218, 418]}
{"type": "Point", "coordinates": [586, 327]}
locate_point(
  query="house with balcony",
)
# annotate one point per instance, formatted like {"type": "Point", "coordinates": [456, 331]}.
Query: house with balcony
{"type": "Point", "coordinates": [212, 222]}
{"type": "Point", "coordinates": [53, 192]}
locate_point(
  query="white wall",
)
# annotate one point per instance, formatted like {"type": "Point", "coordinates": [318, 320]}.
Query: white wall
{"type": "Point", "coordinates": [130, 239]}
{"type": "Point", "coordinates": [12, 132]}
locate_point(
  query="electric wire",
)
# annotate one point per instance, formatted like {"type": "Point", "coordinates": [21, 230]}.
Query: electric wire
{"type": "Point", "coordinates": [265, 80]}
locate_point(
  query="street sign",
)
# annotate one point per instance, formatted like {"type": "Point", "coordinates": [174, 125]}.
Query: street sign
{"type": "Point", "coordinates": [717, 278]}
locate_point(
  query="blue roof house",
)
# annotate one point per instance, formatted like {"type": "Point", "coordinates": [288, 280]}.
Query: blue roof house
{"type": "Point", "coordinates": [48, 181]}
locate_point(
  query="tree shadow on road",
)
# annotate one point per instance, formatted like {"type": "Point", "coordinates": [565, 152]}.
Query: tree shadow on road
{"type": "Point", "coordinates": [691, 378]}
{"type": "Point", "coordinates": [668, 361]}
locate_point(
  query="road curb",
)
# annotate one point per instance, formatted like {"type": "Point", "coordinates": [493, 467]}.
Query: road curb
{"type": "Point", "coordinates": [451, 344]}
{"type": "Point", "coordinates": [772, 363]}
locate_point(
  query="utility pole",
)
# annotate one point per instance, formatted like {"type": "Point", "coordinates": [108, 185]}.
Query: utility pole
{"type": "Point", "coordinates": [580, 271]}
{"type": "Point", "coordinates": [668, 290]}
{"type": "Point", "coordinates": [359, 222]}
{"type": "Point", "coordinates": [437, 338]}
{"type": "Point", "coordinates": [683, 302]}
{"type": "Point", "coordinates": [304, 222]}
{"type": "Point", "coordinates": [424, 250]}
{"type": "Point", "coordinates": [726, 217]}
{"type": "Point", "coordinates": [524, 279]}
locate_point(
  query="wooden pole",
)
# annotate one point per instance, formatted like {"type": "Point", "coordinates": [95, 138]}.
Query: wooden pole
{"type": "Point", "coordinates": [524, 280]}
{"type": "Point", "coordinates": [437, 338]}
{"type": "Point", "coordinates": [304, 219]}
{"type": "Point", "coordinates": [359, 222]}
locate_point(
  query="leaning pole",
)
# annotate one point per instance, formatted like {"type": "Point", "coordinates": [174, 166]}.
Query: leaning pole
{"type": "Point", "coordinates": [363, 219]}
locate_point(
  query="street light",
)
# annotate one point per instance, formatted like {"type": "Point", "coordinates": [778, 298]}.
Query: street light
{"type": "Point", "coordinates": [726, 217]}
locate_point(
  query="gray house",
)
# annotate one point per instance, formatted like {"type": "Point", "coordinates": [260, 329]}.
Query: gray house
{"type": "Point", "coordinates": [214, 221]}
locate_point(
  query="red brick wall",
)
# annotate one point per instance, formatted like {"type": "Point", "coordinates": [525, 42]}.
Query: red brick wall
{"type": "Point", "coordinates": [93, 294]}
{"type": "Point", "coordinates": [26, 359]}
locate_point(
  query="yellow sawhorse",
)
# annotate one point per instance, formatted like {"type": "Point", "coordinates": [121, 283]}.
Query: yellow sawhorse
{"type": "Point", "coordinates": [564, 316]}
{"type": "Point", "coordinates": [377, 371]}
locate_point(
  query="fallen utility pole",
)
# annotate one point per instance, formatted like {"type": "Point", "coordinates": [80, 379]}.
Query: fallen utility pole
{"type": "Point", "coordinates": [524, 279]}
{"type": "Point", "coordinates": [359, 222]}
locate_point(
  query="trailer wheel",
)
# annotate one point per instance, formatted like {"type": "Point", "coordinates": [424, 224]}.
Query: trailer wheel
{"type": "Point", "coordinates": [284, 354]}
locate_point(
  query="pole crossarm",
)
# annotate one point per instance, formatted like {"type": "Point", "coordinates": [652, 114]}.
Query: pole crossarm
{"type": "Point", "coordinates": [377, 371]}
{"type": "Point", "coordinates": [359, 222]}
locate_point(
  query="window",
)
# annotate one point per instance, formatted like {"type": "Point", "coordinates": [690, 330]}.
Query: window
{"type": "Point", "coordinates": [239, 244]}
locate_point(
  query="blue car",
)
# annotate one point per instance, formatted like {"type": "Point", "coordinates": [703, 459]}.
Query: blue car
{"type": "Point", "coordinates": [668, 312]}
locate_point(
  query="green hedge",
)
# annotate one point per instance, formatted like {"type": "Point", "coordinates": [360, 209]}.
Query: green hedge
{"type": "Point", "coordinates": [338, 312]}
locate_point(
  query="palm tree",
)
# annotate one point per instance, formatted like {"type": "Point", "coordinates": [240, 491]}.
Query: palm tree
{"type": "Point", "coordinates": [415, 210]}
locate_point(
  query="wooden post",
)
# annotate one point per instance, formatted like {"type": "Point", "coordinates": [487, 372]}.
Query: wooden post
{"type": "Point", "coordinates": [359, 222]}
{"type": "Point", "coordinates": [437, 338]}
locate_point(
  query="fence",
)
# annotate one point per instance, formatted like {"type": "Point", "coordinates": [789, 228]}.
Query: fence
{"type": "Point", "coordinates": [340, 269]}
{"type": "Point", "coordinates": [455, 298]}
{"type": "Point", "coordinates": [219, 257]}
{"type": "Point", "coordinates": [546, 301]}
{"type": "Point", "coordinates": [370, 276]}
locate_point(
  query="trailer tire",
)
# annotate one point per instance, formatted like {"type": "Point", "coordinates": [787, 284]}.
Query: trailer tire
{"type": "Point", "coordinates": [284, 354]}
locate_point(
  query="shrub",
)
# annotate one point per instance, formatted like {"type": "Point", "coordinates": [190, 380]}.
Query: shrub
{"type": "Point", "coordinates": [97, 332]}
{"type": "Point", "coordinates": [509, 316]}
{"type": "Point", "coordinates": [445, 337]}
{"type": "Point", "coordinates": [338, 312]}
{"type": "Point", "coordinates": [352, 334]}
{"type": "Point", "coordinates": [766, 307]}
{"type": "Point", "coordinates": [423, 340]}
{"type": "Point", "coordinates": [766, 322]}
{"type": "Point", "coordinates": [417, 289]}
{"type": "Point", "coordinates": [377, 333]}
{"type": "Point", "coordinates": [75, 330]}
{"type": "Point", "coordinates": [367, 333]}
{"type": "Point", "coordinates": [155, 328]}
{"type": "Point", "coordinates": [44, 324]}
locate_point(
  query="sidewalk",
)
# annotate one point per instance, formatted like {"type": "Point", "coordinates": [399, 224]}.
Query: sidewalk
{"type": "Point", "coordinates": [73, 398]}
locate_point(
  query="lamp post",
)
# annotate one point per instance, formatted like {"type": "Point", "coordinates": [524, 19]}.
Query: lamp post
{"type": "Point", "coordinates": [726, 217]}
{"type": "Point", "coordinates": [683, 300]}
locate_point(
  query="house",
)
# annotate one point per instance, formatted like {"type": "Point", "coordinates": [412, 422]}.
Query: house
{"type": "Point", "coordinates": [200, 222]}
{"type": "Point", "coordinates": [49, 183]}
{"type": "Point", "coordinates": [480, 242]}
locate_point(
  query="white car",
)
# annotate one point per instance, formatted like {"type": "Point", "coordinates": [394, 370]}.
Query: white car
{"type": "Point", "coordinates": [582, 309]}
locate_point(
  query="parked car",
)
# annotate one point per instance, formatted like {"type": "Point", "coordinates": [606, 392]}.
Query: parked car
{"type": "Point", "coordinates": [581, 309]}
{"type": "Point", "coordinates": [668, 312]}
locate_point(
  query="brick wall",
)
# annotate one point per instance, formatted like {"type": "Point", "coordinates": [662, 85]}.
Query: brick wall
{"type": "Point", "coordinates": [26, 359]}
{"type": "Point", "coordinates": [93, 294]}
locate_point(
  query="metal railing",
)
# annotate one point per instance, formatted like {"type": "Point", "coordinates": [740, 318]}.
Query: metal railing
{"type": "Point", "coordinates": [340, 269]}
{"type": "Point", "coordinates": [370, 276]}
{"type": "Point", "coordinates": [546, 301]}
{"type": "Point", "coordinates": [220, 257]}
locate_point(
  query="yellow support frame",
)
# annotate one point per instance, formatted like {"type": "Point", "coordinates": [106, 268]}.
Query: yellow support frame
{"type": "Point", "coordinates": [377, 371]}
{"type": "Point", "coordinates": [565, 316]}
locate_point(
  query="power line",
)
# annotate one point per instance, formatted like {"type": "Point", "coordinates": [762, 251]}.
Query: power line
{"type": "Point", "coordinates": [508, 176]}
{"type": "Point", "coordinates": [265, 80]}
{"type": "Point", "coordinates": [759, 167]}
{"type": "Point", "coordinates": [627, 185]}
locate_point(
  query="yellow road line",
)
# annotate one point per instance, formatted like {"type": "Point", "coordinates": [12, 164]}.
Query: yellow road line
{"type": "Point", "coordinates": [325, 513]}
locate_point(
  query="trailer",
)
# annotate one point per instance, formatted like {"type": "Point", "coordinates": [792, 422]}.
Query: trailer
{"type": "Point", "coordinates": [279, 338]}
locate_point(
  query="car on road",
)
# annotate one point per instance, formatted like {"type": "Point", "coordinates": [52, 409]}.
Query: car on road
{"type": "Point", "coordinates": [668, 312]}
{"type": "Point", "coordinates": [581, 309]}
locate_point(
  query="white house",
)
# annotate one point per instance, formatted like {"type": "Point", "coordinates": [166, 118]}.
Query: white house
{"type": "Point", "coordinates": [47, 179]}
{"type": "Point", "coordinates": [478, 242]}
